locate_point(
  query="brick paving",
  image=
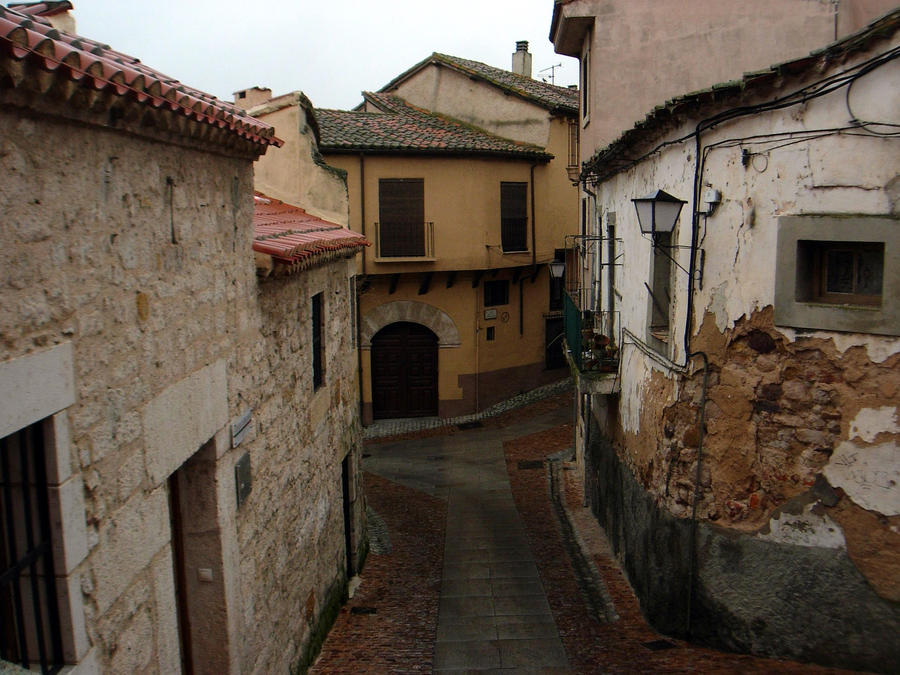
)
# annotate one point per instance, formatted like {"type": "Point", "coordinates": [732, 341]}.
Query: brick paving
{"type": "Point", "coordinates": [403, 587]}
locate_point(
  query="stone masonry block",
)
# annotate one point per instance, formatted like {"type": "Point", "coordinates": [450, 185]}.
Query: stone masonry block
{"type": "Point", "coordinates": [182, 418]}
{"type": "Point", "coordinates": [67, 522]}
{"type": "Point", "coordinates": [129, 539]}
{"type": "Point", "coordinates": [35, 386]}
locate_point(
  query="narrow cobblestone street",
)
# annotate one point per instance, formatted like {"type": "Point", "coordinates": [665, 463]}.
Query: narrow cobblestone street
{"type": "Point", "coordinates": [489, 563]}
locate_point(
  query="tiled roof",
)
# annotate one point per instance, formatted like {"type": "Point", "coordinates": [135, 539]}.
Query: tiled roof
{"type": "Point", "coordinates": [42, 8]}
{"type": "Point", "coordinates": [403, 128]}
{"type": "Point", "coordinates": [297, 240]}
{"type": "Point", "coordinates": [617, 156]}
{"type": "Point", "coordinates": [555, 99]}
{"type": "Point", "coordinates": [27, 39]}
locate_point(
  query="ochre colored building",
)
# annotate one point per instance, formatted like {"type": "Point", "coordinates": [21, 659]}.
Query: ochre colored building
{"type": "Point", "coordinates": [457, 172]}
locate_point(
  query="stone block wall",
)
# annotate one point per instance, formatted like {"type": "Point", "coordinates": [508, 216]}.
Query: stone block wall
{"type": "Point", "coordinates": [133, 256]}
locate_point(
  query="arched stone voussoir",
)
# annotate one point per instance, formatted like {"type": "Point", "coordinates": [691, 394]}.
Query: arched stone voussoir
{"type": "Point", "coordinates": [421, 313]}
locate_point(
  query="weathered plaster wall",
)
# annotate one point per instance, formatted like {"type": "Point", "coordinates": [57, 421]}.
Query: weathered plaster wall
{"type": "Point", "coordinates": [800, 444]}
{"type": "Point", "coordinates": [138, 255]}
{"type": "Point", "coordinates": [695, 44]}
{"type": "Point", "coordinates": [295, 173]}
{"type": "Point", "coordinates": [449, 92]}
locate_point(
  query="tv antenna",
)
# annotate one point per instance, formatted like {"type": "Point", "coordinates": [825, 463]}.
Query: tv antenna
{"type": "Point", "coordinates": [552, 70]}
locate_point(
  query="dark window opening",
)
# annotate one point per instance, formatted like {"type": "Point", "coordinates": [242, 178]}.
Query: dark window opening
{"type": "Point", "coordinates": [840, 272]}
{"type": "Point", "coordinates": [401, 214]}
{"type": "Point", "coordinates": [489, 334]}
{"type": "Point", "coordinates": [585, 84]}
{"type": "Point", "coordinates": [514, 217]}
{"type": "Point", "coordinates": [660, 294]}
{"type": "Point", "coordinates": [29, 609]}
{"type": "Point", "coordinates": [317, 351]}
{"type": "Point", "coordinates": [496, 293]}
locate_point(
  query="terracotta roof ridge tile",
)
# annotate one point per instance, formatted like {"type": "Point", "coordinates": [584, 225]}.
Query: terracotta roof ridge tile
{"type": "Point", "coordinates": [79, 59]}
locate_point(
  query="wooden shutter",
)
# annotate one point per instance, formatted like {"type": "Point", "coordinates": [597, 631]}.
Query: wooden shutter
{"type": "Point", "coordinates": [514, 216]}
{"type": "Point", "coordinates": [401, 213]}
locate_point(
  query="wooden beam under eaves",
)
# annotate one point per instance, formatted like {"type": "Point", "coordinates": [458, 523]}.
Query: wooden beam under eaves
{"type": "Point", "coordinates": [393, 287]}
{"type": "Point", "coordinates": [534, 275]}
{"type": "Point", "coordinates": [494, 272]}
{"type": "Point", "coordinates": [516, 274]}
{"type": "Point", "coordinates": [426, 283]}
{"type": "Point", "coordinates": [451, 279]}
{"type": "Point", "coordinates": [476, 278]}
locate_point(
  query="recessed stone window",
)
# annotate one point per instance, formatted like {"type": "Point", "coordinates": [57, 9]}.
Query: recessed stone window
{"type": "Point", "coordinates": [838, 273]}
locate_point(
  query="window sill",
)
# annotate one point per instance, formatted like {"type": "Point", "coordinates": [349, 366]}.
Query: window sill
{"type": "Point", "coordinates": [522, 252]}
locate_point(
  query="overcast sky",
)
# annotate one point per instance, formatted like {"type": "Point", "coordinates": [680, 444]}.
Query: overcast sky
{"type": "Point", "coordinates": [329, 49]}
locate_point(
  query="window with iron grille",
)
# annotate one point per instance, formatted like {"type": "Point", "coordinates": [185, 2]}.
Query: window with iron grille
{"type": "Point", "coordinates": [496, 293]}
{"type": "Point", "coordinates": [401, 215]}
{"type": "Point", "coordinates": [317, 347]}
{"type": "Point", "coordinates": [29, 610]}
{"type": "Point", "coordinates": [514, 217]}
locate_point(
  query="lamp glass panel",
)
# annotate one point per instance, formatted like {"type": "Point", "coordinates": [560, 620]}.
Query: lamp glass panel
{"type": "Point", "coordinates": [667, 215]}
{"type": "Point", "coordinates": [645, 215]}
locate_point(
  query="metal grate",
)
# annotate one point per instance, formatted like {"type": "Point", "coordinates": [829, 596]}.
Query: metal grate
{"type": "Point", "coordinates": [29, 611]}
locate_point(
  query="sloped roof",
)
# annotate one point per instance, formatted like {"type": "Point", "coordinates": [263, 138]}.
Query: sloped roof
{"type": "Point", "coordinates": [42, 8]}
{"type": "Point", "coordinates": [29, 46]}
{"type": "Point", "coordinates": [402, 128]}
{"type": "Point", "coordinates": [297, 240]}
{"type": "Point", "coordinates": [549, 96]}
{"type": "Point", "coordinates": [737, 95]}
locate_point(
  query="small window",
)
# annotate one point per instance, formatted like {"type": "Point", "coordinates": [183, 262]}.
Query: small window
{"type": "Point", "coordinates": [489, 334]}
{"type": "Point", "coordinates": [496, 293]}
{"type": "Point", "coordinates": [840, 272]}
{"type": "Point", "coordinates": [30, 631]}
{"type": "Point", "coordinates": [514, 217]}
{"type": "Point", "coordinates": [585, 85]}
{"type": "Point", "coordinates": [317, 347]}
{"type": "Point", "coordinates": [660, 291]}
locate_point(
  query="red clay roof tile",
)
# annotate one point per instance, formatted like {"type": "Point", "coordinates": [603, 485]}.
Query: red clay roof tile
{"type": "Point", "coordinates": [26, 36]}
{"type": "Point", "coordinates": [297, 240]}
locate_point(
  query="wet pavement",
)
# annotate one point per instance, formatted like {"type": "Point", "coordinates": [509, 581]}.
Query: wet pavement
{"type": "Point", "coordinates": [486, 561]}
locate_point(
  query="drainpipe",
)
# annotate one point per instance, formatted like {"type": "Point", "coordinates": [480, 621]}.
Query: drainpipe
{"type": "Point", "coordinates": [533, 223]}
{"type": "Point", "coordinates": [362, 204]}
{"type": "Point", "coordinates": [477, 343]}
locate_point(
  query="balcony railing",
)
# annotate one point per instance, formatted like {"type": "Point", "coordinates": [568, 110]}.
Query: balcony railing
{"type": "Point", "coordinates": [593, 340]}
{"type": "Point", "coordinates": [404, 240]}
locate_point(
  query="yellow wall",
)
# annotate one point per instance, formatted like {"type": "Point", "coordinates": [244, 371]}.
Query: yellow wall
{"type": "Point", "coordinates": [462, 199]}
{"type": "Point", "coordinates": [465, 305]}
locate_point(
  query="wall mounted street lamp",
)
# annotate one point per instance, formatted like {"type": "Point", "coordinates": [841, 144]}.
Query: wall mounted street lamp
{"type": "Point", "coordinates": [658, 212]}
{"type": "Point", "coordinates": [557, 269]}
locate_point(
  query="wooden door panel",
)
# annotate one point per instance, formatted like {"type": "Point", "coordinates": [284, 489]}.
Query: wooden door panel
{"type": "Point", "coordinates": [404, 372]}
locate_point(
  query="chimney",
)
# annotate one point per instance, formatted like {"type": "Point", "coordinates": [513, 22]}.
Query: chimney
{"type": "Point", "coordinates": [521, 59]}
{"type": "Point", "coordinates": [247, 98]}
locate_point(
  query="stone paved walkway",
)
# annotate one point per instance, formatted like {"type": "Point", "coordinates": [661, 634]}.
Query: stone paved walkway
{"type": "Point", "coordinates": [477, 574]}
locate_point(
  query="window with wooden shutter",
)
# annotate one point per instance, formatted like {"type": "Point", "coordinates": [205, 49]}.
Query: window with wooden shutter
{"type": "Point", "coordinates": [513, 217]}
{"type": "Point", "coordinates": [401, 212]}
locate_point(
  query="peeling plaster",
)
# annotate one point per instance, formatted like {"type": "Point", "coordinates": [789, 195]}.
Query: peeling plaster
{"type": "Point", "coordinates": [807, 528]}
{"type": "Point", "coordinates": [869, 475]}
{"type": "Point", "coordinates": [869, 422]}
{"type": "Point", "coordinates": [877, 350]}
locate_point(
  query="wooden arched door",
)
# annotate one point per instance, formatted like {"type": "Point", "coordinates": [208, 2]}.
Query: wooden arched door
{"type": "Point", "coordinates": [404, 371]}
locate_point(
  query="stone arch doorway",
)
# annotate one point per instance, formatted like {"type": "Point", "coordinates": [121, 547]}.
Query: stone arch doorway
{"type": "Point", "coordinates": [404, 371]}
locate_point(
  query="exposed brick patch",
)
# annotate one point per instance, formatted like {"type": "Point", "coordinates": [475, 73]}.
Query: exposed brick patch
{"type": "Point", "coordinates": [402, 587]}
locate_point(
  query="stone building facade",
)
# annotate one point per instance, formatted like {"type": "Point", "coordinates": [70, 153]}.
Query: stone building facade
{"type": "Point", "coordinates": [201, 489]}
{"type": "Point", "coordinates": [744, 458]}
